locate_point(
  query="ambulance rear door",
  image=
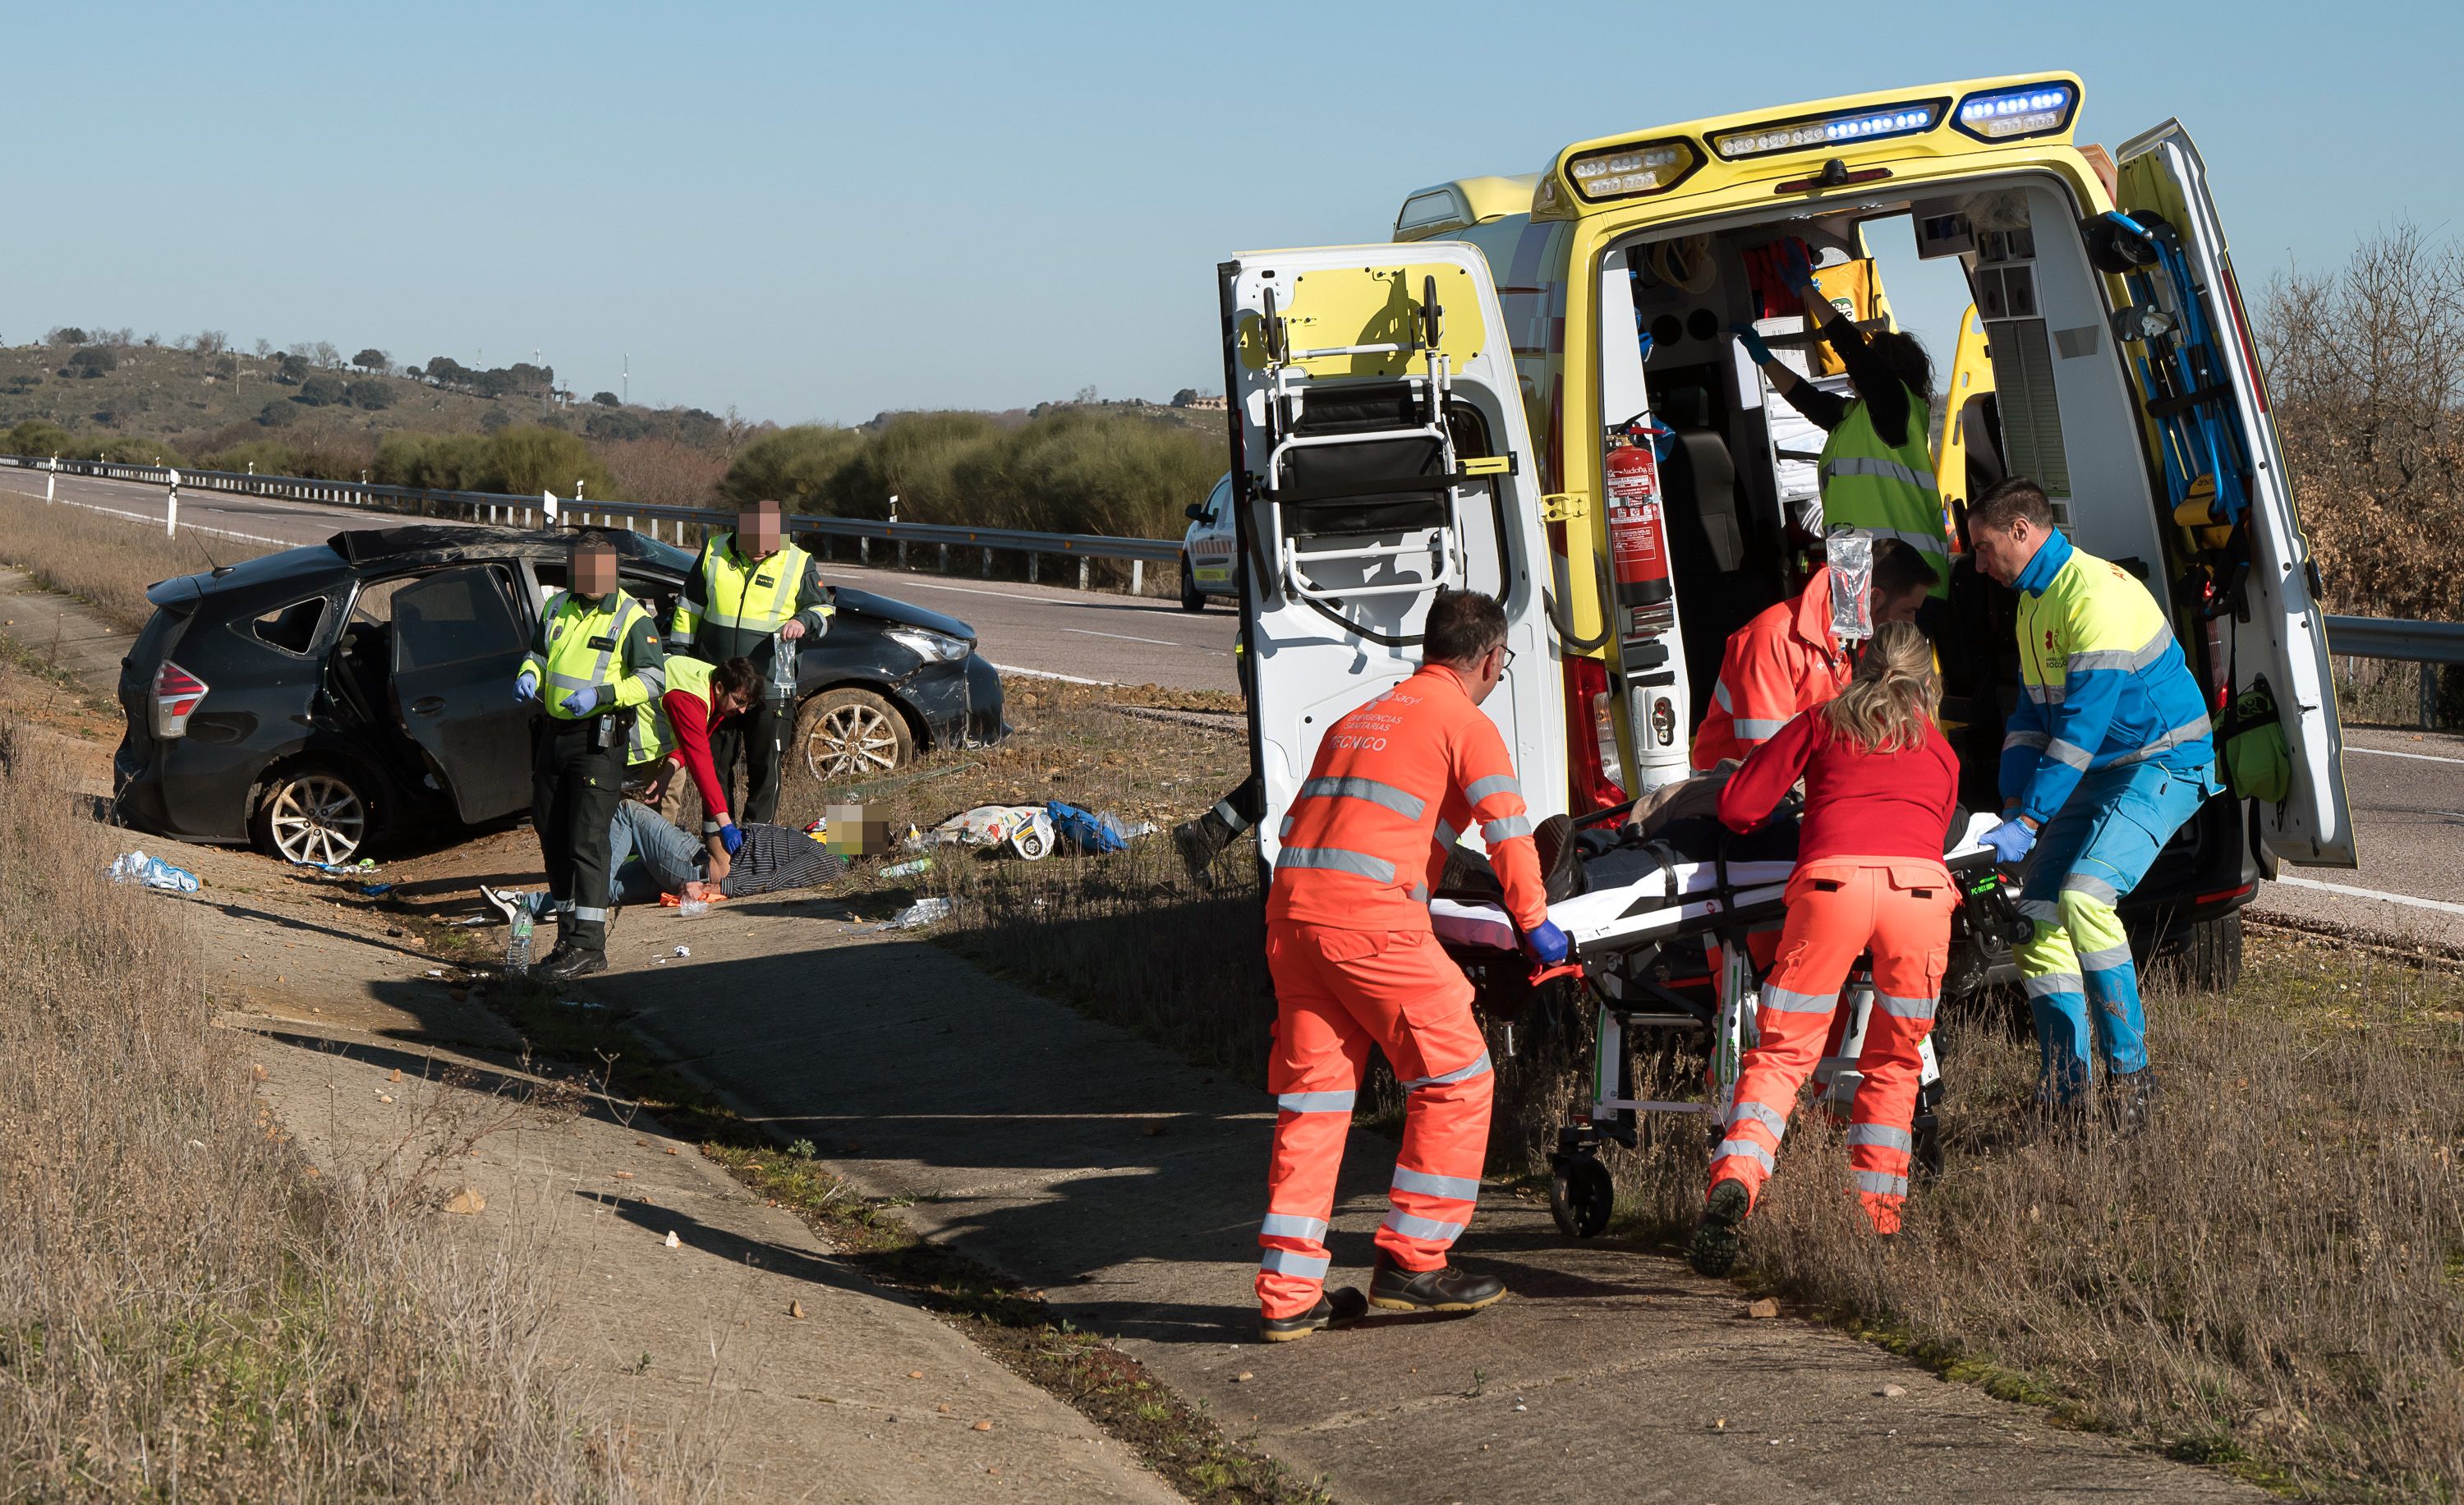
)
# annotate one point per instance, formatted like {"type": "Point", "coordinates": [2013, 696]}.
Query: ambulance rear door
{"type": "Point", "coordinates": [1379, 451]}
{"type": "Point", "coordinates": [2281, 631]}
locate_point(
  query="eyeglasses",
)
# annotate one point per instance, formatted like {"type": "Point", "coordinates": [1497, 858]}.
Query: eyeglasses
{"type": "Point", "coordinates": [1507, 662]}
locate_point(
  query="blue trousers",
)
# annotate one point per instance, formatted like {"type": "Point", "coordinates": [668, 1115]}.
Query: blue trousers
{"type": "Point", "coordinates": [2094, 851]}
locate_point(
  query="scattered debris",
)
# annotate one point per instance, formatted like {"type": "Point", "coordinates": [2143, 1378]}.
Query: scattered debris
{"type": "Point", "coordinates": [1892, 1391]}
{"type": "Point", "coordinates": [394, 1076]}
{"type": "Point", "coordinates": [1768, 1306]}
{"type": "Point", "coordinates": [983, 1427]}
{"type": "Point", "coordinates": [796, 1310]}
{"type": "Point", "coordinates": [684, 951]}
{"type": "Point", "coordinates": [136, 867]}
{"type": "Point", "coordinates": [674, 1242]}
{"type": "Point", "coordinates": [923, 912]}
{"type": "Point", "coordinates": [466, 1202]}
{"type": "Point", "coordinates": [1244, 1377]}
{"type": "Point", "coordinates": [376, 890]}
{"type": "Point", "coordinates": [385, 1097]}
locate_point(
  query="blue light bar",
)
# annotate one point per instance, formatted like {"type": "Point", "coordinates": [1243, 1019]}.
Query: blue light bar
{"type": "Point", "coordinates": [2032, 109]}
{"type": "Point", "coordinates": [1806, 132]}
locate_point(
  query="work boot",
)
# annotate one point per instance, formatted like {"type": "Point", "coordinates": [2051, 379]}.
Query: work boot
{"type": "Point", "coordinates": [1201, 842]}
{"type": "Point", "coordinates": [1713, 1249]}
{"type": "Point", "coordinates": [1444, 1288]}
{"type": "Point", "coordinates": [1334, 1309]}
{"type": "Point", "coordinates": [566, 963]}
{"type": "Point", "coordinates": [2129, 1100]}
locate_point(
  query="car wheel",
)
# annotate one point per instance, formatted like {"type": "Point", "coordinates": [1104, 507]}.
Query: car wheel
{"type": "Point", "coordinates": [2212, 959]}
{"type": "Point", "coordinates": [1192, 599]}
{"type": "Point", "coordinates": [853, 735]}
{"type": "Point", "coordinates": [312, 814]}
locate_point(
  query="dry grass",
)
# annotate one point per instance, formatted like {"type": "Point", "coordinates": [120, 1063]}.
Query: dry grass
{"type": "Point", "coordinates": [187, 1310]}
{"type": "Point", "coordinates": [106, 561]}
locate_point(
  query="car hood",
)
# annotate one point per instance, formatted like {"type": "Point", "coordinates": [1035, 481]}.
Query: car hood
{"type": "Point", "coordinates": [851, 599]}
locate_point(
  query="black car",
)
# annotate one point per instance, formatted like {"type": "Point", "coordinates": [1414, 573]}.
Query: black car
{"type": "Point", "coordinates": [313, 700]}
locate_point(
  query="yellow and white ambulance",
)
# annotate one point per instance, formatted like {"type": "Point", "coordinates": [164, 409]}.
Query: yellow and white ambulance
{"type": "Point", "coordinates": [1452, 408]}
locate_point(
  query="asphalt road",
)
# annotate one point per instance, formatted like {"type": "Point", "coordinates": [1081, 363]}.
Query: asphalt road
{"type": "Point", "coordinates": [1041, 630]}
{"type": "Point", "coordinates": [2407, 788]}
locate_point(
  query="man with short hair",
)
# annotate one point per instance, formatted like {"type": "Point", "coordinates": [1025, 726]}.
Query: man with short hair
{"type": "Point", "coordinates": [1786, 660]}
{"type": "Point", "coordinates": [1356, 964]}
{"type": "Point", "coordinates": [678, 728]}
{"type": "Point", "coordinates": [594, 657]}
{"type": "Point", "coordinates": [748, 592]}
{"type": "Point", "coordinates": [2107, 754]}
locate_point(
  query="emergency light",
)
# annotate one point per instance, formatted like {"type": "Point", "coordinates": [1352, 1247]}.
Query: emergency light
{"type": "Point", "coordinates": [1620, 172]}
{"type": "Point", "coordinates": [2032, 109]}
{"type": "Point", "coordinates": [1829, 130]}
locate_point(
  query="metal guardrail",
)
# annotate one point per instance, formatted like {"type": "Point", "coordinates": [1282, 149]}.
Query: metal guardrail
{"type": "Point", "coordinates": [669, 523]}
{"type": "Point", "coordinates": [2403, 641]}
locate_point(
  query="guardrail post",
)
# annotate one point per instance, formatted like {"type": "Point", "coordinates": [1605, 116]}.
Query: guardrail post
{"type": "Point", "coordinates": [945, 559]}
{"type": "Point", "coordinates": [988, 563]}
{"type": "Point", "coordinates": [902, 553]}
{"type": "Point", "coordinates": [171, 515]}
{"type": "Point", "coordinates": [1082, 573]}
{"type": "Point", "coordinates": [2428, 693]}
{"type": "Point", "coordinates": [1032, 560]}
{"type": "Point", "coordinates": [863, 555]}
{"type": "Point", "coordinates": [1137, 577]}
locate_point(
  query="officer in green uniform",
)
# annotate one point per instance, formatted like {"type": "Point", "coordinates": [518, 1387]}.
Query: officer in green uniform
{"type": "Point", "coordinates": [750, 590]}
{"type": "Point", "coordinates": [595, 658]}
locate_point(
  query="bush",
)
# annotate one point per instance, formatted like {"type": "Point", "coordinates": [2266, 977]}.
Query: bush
{"type": "Point", "coordinates": [278, 412]}
{"type": "Point", "coordinates": [369, 392]}
{"type": "Point", "coordinates": [605, 399]}
{"type": "Point", "coordinates": [372, 359]}
{"type": "Point", "coordinates": [123, 450]}
{"type": "Point", "coordinates": [92, 361]}
{"type": "Point", "coordinates": [511, 459]}
{"type": "Point", "coordinates": [66, 335]}
{"type": "Point", "coordinates": [39, 437]}
{"type": "Point", "coordinates": [321, 390]}
{"type": "Point", "coordinates": [292, 369]}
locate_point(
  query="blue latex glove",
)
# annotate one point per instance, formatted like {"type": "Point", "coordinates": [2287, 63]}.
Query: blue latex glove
{"type": "Point", "coordinates": [1548, 944]}
{"type": "Point", "coordinates": [1752, 343]}
{"type": "Point", "coordinates": [2011, 842]}
{"type": "Point", "coordinates": [733, 839]}
{"type": "Point", "coordinates": [1794, 265]}
{"type": "Point", "coordinates": [526, 686]}
{"type": "Point", "coordinates": [583, 701]}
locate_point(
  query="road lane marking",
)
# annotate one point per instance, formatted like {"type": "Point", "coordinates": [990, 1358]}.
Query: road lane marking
{"type": "Point", "coordinates": [1124, 638]}
{"type": "Point", "coordinates": [2351, 891]}
{"type": "Point", "coordinates": [186, 527]}
{"type": "Point", "coordinates": [1046, 673]}
{"type": "Point", "coordinates": [2383, 752]}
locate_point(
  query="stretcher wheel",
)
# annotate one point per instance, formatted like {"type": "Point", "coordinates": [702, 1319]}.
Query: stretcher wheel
{"type": "Point", "coordinates": [1580, 1195]}
{"type": "Point", "coordinates": [1926, 1160]}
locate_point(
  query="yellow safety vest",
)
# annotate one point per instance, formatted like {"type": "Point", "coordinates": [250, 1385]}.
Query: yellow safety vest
{"type": "Point", "coordinates": [654, 738]}
{"type": "Point", "coordinates": [1887, 489]}
{"type": "Point", "coordinates": [746, 597]}
{"type": "Point", "coordinates": [585, 649]}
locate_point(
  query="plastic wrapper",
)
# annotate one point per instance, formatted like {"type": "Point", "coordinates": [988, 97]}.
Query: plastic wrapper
{"type": "Point", "coordinates": [1851, 556]}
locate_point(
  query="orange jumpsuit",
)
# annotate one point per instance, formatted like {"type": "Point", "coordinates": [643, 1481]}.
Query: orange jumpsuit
{"type": "Point", "coordinates": [1869, 878]}
{"type": "Point", "coordinates": [1783, 661]}
{"type": "Point", "coordinates": [1356, 964]}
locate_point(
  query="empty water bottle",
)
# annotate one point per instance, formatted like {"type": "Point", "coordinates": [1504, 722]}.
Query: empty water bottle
{"type": "Point", "coordinates": [782, 669]}
{"type": "Point", "coordinates": [517, 949]}
{"type": "Point", "coordinates": [136, 867]}
{"type": "Point", "coordinates": [692, 908]}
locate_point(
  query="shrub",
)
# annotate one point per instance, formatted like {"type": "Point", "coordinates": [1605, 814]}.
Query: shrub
{"type": "Point", "coordinates": [511, 459]}
{"type": "Point", "coordinates": [66, 335]}
{"type": "Point", "coordinates": [370, 392]}
{"type": "Point", "coordinates": [292, 369]}
{"type": "Point", "coordinates": [39, 437]}
{"type": "Point", "coordinates": [92, 361]}
{"type": "Point", "coordinates": [605, 399]}
{"type": "Point", "coordinates": [277, 412]}
{"type": "Point", "coordinates": [321, 390]}
{"type": "Point", "coordinates": [663, 471]}
{"type": "Point", "coordinates": [372, 359]}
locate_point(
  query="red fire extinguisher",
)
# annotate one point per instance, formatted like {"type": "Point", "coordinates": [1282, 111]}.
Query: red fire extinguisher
{"type": "Point", "coordinates": [1638, 533]}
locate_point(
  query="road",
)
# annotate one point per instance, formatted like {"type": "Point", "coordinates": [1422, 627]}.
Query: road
{"type": "Point", "coordinates": [2407, 788]}
{"type": "Point", "coordinates": [1039, 630]}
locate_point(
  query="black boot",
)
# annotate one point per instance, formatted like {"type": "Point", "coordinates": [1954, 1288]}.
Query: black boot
{"type": "Point", "coordinates": [1201, 842]}
{"type": "Point", "coordinates": [1334, 1309]}
{"type": "Point", "coordinates": [1444, 1288]}
{"type": "Point", "coordinates": [567, 962]}
{"type": "Point", "coordinates": [1713, 1250]}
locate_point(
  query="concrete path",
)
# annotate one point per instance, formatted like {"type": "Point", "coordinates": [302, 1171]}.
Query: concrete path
{"type": "Point", "coordinates": [1102, 1169]}
{"type": "Point", "coordinates": [62, 632]}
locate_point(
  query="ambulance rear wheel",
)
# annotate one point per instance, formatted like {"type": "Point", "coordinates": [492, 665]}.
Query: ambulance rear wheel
{"type": "Point", "coordinates": [1582, 1196]}
{"type": "Point", "coordinates": [1192, 599]}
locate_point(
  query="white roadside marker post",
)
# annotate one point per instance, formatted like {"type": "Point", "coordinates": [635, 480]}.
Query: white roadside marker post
{"type": "Point", "coordinates": [171, 510]}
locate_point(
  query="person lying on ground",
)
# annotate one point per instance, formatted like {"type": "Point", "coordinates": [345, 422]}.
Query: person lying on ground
{"type": "Point", "coordinates": [653, 857]}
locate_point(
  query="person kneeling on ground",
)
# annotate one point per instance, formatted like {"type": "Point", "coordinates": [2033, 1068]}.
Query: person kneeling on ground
{"type": "Point", "coordinates": [1880, 784]}
{"type": "Point", "coordinates": [652, 857]}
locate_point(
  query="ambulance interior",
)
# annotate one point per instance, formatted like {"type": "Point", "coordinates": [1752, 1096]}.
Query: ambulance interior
{"type": "Point", "coordinates": [1739, 484]}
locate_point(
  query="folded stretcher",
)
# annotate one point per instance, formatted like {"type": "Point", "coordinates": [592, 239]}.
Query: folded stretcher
{"type": "Point", "coordinates": [1660, 930]}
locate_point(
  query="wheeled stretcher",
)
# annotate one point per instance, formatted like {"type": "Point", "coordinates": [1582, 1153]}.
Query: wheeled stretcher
{"type": "Point", "coordinates": [1660, 931]}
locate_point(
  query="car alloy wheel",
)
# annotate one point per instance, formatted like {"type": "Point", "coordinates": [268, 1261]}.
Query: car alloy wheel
{"type": "Point", "coordinates": [316, 817]}
{"type": "Point", "coordinates": [854, 735]}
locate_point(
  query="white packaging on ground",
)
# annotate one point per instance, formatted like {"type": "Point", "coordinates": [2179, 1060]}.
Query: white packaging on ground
{"type": "Point", "coordinates": [136, 867]}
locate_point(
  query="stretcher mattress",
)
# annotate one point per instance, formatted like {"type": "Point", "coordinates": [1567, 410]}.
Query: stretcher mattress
{"type": "Point", "coordinates": [1668, 898]}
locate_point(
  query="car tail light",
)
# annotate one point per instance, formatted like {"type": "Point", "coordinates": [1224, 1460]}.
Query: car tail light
{"type": "Point", "coordinates": [177, 694]}
{"type": "Point", "coordinates": [1591, 737]}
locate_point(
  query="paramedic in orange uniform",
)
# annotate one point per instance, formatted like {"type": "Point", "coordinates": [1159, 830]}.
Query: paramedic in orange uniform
{"type": "Point", "coordinates": [1785, 660]}
{"type": "Point", "coordinates": [1356, 964]}
{"type": "Point", "coordinates": [1880, 788]}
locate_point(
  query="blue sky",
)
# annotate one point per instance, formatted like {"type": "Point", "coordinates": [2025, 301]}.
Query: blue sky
{"type": "Point", "coordinates": [820, 212]}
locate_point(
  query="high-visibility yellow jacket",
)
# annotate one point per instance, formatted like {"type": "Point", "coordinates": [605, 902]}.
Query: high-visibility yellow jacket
{"type": "Point", "coordinates": [1887, 489]}
{"type": "Point", "coordinates": [731, 605]}
{"type": "Point", "coordinates": [609, 643]}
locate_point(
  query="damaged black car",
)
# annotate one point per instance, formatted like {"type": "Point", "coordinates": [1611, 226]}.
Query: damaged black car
{"type": "Point", "coordinates": [319, 700]}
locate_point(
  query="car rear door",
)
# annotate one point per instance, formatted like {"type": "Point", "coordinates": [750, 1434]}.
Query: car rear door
{"type": "Point", "coordinates": [2285, 633]}
{"type": "Point", "coordinates": [1354, 500]}
{"type": "Point", "coordinates": [458, 642]}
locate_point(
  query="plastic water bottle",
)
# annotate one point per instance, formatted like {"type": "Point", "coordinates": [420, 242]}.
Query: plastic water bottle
{"type": "Point", "coordinates": [908, 870]}
{"type": "Point", "coordinates": [518, 950]}
{"type": "Point", "coordinates": [692, 908]}
{"type": "Point", "coordinates": [782, 669]}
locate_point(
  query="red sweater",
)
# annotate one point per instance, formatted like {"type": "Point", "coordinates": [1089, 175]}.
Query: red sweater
{"type": "Point", "coordinates": [689, 717]}
{"type": "Point", "coordinates": [1858, 804]}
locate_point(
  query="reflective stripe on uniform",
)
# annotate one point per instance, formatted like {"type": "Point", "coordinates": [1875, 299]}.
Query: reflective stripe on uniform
{"type": "Point", "coordinates": [1754, 728]}
{"type": "Point", "coordinates": [2104, 961]}
{"type": "Point", "coordinates": [1292, 1262]}
{"type": "Point", "coordinates": [1335, 859]}
{"type": "Point", "coordinates": [1458, 1188]}
{"type": "Point", "coordinates": [1316, 1102]}
{"type": "Point", "coordinates": [1403, 802]}
{"type": "Point", "coordinates": [1292, 1224]}
{"type": "Point", "coordinates": [1881, 1135]}
{"type": "Point", "coordinates": [1881, 1184]}
{"type": "Point", "coordinates": [2046, 694]}
{"type": "Point", "coordinates": [1411, 1225]}
{"type": "Point", "coordinates": [2064, 751]}
{"type": "Point", "coordinates": [1904, 1007]}
{"type": "Point", "coordinates": [1888, 470]}
{"type": "Point", "coordinates": [751, 614]}
{"type": "Point", "coordinates": [586, 911]}
{"type": "Point", "coordinates": [1445, 835]}
{"type": "Point", "coordinates": [2185, 733]}
{"type": "Point", "coordinates": [2131, 659]}
{"type": "Point", "coordinates": [2043, 911]}
{"type": "Point", "coordinates": [1480, 790]}
{"type": "Point", "coordinates": [1458, 1075]}
{"type": "Point", "coordinates": [1748, 1149]}
{"type": "Point", "coordinates": [2095, 888]}
{"type": "Point", "coordinates": [1506, 829]}
{"type": "Point", "coordinates": [1784, 1000]}
{"type": "Point", "coordinates": [2034, 740]}
{"type": "Point", "coordinates": [1720, 697]}
{"type": "Point", "coordinates": [1771, 1119]}
{"type": "Point", "coordinates": [2053, 983]}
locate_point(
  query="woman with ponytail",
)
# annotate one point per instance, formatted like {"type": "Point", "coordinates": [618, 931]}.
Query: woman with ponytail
{"type": "Point", "coordinates": [1880, 788]}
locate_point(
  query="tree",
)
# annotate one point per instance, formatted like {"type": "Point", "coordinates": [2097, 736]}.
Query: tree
{"type": "Point", "coordinates": [278, 412]}
{"type": "Point", "coordinates": [605, 399]}
{"type": "Point", "coordinates": [92, 361]}
{"type": "Point", "coordinates": [66, 335]}
{"type": "Point", "coordinates": [372, 359]}
{"type": "Point", "coordinates": [1184, 397]}
{"type": "Point", "coordinates": [264, 349]}
{"type": "Point", "coordinates": [321, 390]}
{"type": "Point", "coordinates": [227, 365]}
{"type": "Point", "coordinates": [370, 392]}
{"type": "Point", "coordinates": [292, 369]}
{"type": "Point", "coordinates": [38, 436]}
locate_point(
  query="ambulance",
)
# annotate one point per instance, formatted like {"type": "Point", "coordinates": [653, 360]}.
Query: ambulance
{"type": "Point", "coordinates": [1532, 391]}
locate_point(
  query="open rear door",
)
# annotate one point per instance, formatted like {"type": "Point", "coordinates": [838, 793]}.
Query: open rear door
{"type": "Point", "coordinates": [1379, 451]}
{"type": "Point", "coordinates": [458, 645]}
{"type": "Point", "coordinates": [2280, 631]}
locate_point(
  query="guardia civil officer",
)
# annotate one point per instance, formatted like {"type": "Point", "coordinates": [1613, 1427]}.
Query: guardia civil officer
{"type": "Point", "coordinates": [595, 658]}
{"type": "Point", "coordinates": [750, 590]}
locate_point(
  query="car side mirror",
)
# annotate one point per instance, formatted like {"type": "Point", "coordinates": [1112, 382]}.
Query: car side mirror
{"type": "Point", "coordinates": [1194, 512]}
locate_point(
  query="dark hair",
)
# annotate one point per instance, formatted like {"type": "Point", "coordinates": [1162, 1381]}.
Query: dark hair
{"type": "Point", "coordinates": [592, 542]}
{"type": "Point", "coordinates": [2007, 503]}
{"type": "Point", "coordinates": [769, 502]}
{"type": "Point", "coordinates": [1899, 569]}
{"type": "Point", "coordinates": [736, 678]}
{"type": "Point", "coordinates": [1462, 625]}
{"type": "Point", "coordinates": [1904, 356]}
